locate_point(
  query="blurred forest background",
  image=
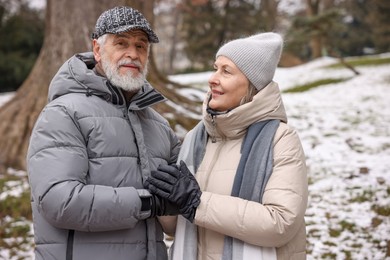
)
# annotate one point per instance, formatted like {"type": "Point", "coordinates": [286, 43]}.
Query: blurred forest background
{"type": "Point", "coordinates": [37, 36]}
{"type": "Point", "coordinates": [191, 31]}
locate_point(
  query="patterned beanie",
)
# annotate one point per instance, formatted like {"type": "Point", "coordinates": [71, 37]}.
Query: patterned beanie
{"type": "Point", "coordinates": [256, 56]}
{"type": "Point", "coordinates": [122, 19]}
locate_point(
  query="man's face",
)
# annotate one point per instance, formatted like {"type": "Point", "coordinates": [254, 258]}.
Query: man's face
{"type": "Point", "coordinates": [124, 59]}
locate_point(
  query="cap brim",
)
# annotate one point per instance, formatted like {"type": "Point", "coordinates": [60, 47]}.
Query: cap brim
{"type": "Point", "coordinates": [152, 37]}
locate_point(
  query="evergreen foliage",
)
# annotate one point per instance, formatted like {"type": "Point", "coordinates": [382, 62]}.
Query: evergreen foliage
{"type": "Point", "coordinates": [347, 28]}
{"type": "Point", "coordinates": [323, 25]}
{"type": "Point", "coordinates": [21, 34]}
{"type": "Point", "coordinates": [208, 25]}
{"type": "Point", "coordinates": [354, 39]}
{"type": "Point", "coordinates": [378, 18]}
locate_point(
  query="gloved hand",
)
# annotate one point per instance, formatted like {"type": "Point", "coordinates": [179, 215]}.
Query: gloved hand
{"type": "Point", "coordinates": [158, 206]}
{"type": "Point", "coordinates": [178, 186]}
{"type": "Point", "coordinates": [162, 207]}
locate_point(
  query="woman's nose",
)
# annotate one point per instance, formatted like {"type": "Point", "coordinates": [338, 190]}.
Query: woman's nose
{"type": "Point", "coordinates": [213, 80]}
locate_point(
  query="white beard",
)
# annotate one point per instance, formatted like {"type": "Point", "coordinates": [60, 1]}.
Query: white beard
{"type": "Point", "coordinates": [127, 82]}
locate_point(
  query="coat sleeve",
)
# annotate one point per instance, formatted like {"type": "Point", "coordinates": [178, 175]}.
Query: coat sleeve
{"type": "Point", "coordinates": [276, 221]}
{"type": "Point", "coordinates": [175, 147]}
{"type": "Point", "coordinates": [168, 223]}
{"type": "Point", "coordinates": [57, 163]}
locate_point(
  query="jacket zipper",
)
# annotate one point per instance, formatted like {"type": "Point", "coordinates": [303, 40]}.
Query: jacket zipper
{"type": "Point", "coordinates": [69, 245]}
{"type": "Point", "coordinates": [208, 173]}
{"type": "Point", "coordinates": [213, 138]}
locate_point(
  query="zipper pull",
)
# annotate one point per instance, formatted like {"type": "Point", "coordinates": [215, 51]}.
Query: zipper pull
{"type": "Point", "coordinates": [213, 139]}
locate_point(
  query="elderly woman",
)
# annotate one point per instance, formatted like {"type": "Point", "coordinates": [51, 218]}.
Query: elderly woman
{"type": "Point", "coordinates": [248, 195]}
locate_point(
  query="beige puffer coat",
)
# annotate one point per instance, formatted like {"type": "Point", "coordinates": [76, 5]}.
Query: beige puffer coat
{"type": "Point", "coordinates": [277, 222]}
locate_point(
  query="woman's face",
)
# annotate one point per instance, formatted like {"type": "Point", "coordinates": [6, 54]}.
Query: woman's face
{"type": "Point", "coordinates": [228, 85]}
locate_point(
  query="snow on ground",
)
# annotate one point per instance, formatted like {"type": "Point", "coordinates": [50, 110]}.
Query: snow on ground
{"type": "Point", "coordinates": [345, 131]}
{"type": "Point", "coordinates": [4, 97]}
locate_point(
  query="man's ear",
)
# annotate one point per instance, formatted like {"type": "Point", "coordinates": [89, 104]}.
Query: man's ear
{"type": "Point", "coordinates": [96, 50]}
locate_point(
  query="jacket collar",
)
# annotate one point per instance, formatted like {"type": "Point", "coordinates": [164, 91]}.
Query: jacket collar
{"type": "Point", "coordinates": [267, 104]}
{"type": "Point", "coordinates": [77, 75]}
{"type": "Point", "coordinates": [146, 96]}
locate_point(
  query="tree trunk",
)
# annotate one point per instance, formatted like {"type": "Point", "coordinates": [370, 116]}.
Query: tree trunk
{"type": "Point", "coordinates": [315, 46]}
{"type": "Point", "coordinates": [174, 40]}
{"type": "Point", "coordinates": [270, 8]}
{"type": "Point", "coordinates": [63, 36]}
{"type": "Point", "coordinates": [312, 9]}
{"type": "Point", "coordinates": [68, 26]}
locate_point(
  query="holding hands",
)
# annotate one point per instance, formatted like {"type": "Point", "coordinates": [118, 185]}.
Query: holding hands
{"type": "Point", "coordinates": [161, 207]}
{"type": "Point", "coordinates": [178, 186]}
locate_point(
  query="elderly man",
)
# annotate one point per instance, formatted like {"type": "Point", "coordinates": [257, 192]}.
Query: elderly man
{"type": "Point", "coordinates": [93, 146]}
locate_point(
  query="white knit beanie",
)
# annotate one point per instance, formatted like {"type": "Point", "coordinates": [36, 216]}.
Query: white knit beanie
{"type": "Point", "coordinates": [256, 56]}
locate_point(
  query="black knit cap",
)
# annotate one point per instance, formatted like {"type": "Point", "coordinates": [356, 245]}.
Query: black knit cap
{"type": "Point", "coordinates": [122, 19]}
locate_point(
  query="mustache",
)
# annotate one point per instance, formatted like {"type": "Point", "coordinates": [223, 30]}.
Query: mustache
{"type": "Point", "coordinates": [129, 62]}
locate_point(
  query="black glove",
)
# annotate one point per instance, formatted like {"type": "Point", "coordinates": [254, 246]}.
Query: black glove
{"type": "Point", "coordinates": [163, 207]}
{"type": "Point", "coordinates": [178, 186]}
{"type": "Point", "coordinates": [159, 206]}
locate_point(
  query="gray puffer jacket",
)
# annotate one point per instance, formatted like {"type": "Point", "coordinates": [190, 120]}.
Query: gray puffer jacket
{"type": "Point", "coordinates": [87, 159]}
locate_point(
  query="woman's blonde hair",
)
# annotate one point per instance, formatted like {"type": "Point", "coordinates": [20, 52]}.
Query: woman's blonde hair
{"type": "Point", "coordinates": [252, 91]}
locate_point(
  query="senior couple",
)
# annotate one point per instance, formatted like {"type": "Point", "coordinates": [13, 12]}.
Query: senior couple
{"type": "Point", "coordinates": [109, 177]}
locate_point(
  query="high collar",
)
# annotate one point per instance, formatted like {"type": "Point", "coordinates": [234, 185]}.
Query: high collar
{"type": "Point", "coordinates": [77, 75]}
{"type": "Point", "coordinates": [266, 104]}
